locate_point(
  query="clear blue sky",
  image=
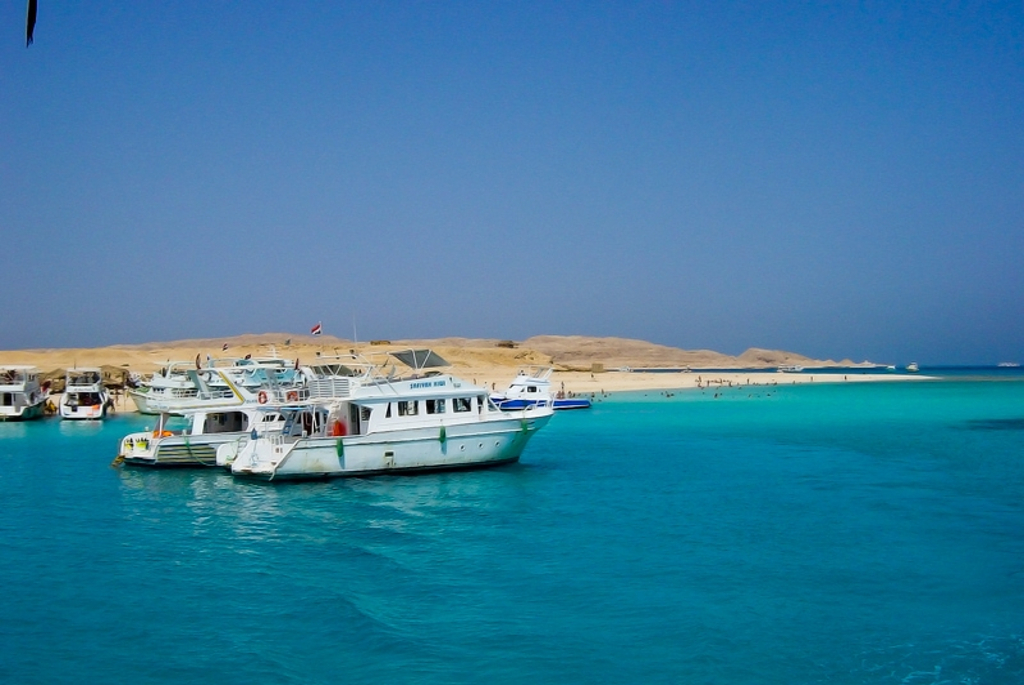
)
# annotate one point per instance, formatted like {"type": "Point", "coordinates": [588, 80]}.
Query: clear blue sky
{"type": "Point", "coordinates": [841, 179]}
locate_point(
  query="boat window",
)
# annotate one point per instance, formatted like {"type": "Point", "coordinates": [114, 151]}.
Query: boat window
{"type": "Point", "coordinates": [364, 413]}
{"type": "Point", "coordinates": [531, 388]}
{"type": "Point", "coordinates": [387, 414]}
{"type": "Point", "coordinates": [408, 408]}
{"type": "Point", "coordinates": [480, 401]}
{"type": "Point", "coordinates": [227, 422]}
{"type": "Point", "coordinates": [462, 404]}
{"type": "Point", "coordinates": [435, 406]}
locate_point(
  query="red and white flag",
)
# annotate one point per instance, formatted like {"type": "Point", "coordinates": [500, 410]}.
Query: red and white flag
{"type": "Point", "coordinates": [317, 329]}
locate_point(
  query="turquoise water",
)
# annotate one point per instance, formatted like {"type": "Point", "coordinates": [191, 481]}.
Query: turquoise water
{"type": "Point", "coordinates": [850, 533]}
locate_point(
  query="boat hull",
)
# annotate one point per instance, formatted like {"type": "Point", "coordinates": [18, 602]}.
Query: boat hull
{"type": "Point", "coordinates": [174, 451]}
{"type": "Point", "coordinates": [460, 446]}
{"type": "Point", "coordinates": [24, 413]}
{"type": "Point", "coordinates": [83, 412]}
{"type": "Point", "coordinates": [141, 400]}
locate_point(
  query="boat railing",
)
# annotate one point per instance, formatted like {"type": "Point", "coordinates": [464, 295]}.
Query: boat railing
{"type": "Point", "coordinates": [82, 382]}
{"type": "Point", "coordinates": [535, 372]}
{"type": "Point", "coordinates": [281, 395]}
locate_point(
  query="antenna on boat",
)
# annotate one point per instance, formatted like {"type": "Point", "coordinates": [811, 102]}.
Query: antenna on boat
{"type": "Point", "coordinates": [355, 338]}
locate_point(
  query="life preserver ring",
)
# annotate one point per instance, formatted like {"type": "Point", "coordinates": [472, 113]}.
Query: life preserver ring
{"type": "Point", "coordinates": [262, 397]}
{"type": "Point", "coordinates": [338, 429]}
{"type": "Point", "coordinates": [293, 396]}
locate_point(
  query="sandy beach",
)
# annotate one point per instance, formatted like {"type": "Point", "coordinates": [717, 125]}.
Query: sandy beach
{"type": "Point", "coordinates": [582, 365]}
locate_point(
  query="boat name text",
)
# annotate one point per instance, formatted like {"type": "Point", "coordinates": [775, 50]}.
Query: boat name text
{"type": "Point", "coordinates": [427, 384]}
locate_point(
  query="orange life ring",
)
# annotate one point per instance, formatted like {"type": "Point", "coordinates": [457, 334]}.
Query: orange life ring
{"type": "Point", "coordinates": [262, 397]}
{"type": "Point", "coordinates": [293, 396]}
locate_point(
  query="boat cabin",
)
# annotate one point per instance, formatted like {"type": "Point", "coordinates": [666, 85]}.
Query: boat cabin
{"type": "Point", "coordinates": [19, 385]}
{"type": "Point", "coordinates": [217, 422]}
{"type": "Point", "coordinates": [379, 415]}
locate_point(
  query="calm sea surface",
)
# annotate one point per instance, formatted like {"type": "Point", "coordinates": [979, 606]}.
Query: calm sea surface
{"type": "Point", "coordinates": [848, 533]}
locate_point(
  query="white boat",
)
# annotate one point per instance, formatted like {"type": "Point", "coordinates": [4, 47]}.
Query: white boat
{"type": "Point", "coordinates": [84, 395]}
{"type": "Point", "coordinates": [532, 386]}
{"type": "Point", "coordinates": [193, 439]}
{"type": "Point", "coordinates": [182, 387]}
{"type": "Point", "coordinates": [168, 383]}
{"type": "Point", "coordinates": [791, 368]}
{"type": "Point", "coordinates": [382, 423]}
{"type": "Point", "coordinates": [21, 395]}
{"type": "Point", "coordinates": [912, 367]}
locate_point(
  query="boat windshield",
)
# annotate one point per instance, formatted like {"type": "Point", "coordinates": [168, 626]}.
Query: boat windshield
{"type": "Point", "coordinates": [11, 376]}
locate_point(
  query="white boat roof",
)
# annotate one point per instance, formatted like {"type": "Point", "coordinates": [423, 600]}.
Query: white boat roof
{"type": "Point", "coordinates": [420, 359]}
{"type": "Point", "coordinates": [534, 372]}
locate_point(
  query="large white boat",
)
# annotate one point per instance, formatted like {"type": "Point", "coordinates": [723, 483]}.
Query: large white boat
{"type": "Point", "coordinates": [382, 423]}
{"type": "Point", "coordinates": [84, 395]}
{"type": "Point", "coordinates": [21, 395]}
{"type": "Point", "coordinates": [193, 439]}
{"type": "Point", "coordinates": [912, 367]}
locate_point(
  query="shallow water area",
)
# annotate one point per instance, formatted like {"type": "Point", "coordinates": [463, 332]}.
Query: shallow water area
{"type": "Point", "coordinates": [860, 533]}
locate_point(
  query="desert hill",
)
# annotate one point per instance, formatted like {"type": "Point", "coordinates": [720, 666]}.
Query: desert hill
{"type": "Point", "coordinates": [467, 355]}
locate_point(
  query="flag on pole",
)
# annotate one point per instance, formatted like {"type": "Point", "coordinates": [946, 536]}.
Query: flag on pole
{"type": "Point", "coordinates": [317, 329]}
{"type": "Point", "coordinates": [30, 22]}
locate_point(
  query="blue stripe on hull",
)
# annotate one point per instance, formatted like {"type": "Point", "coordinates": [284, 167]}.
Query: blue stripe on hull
{"type": "Point", "coordinates": [512, 405]}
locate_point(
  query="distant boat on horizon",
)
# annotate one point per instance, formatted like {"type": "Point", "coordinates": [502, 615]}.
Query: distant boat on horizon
{"type": "Point", "coordinates": [1008, 365]}
{"type": "Point", "coordinates": [912, 367]}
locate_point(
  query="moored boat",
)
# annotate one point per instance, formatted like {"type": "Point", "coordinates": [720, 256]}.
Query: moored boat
{"type": "Point", "coordinates": [912, 367]}
{"type": "Point", "coordinates": [168, 383]}
{"type": "Point", "coordinates": [531, 387]}
{"type": "Point", "coordinates": [192, 440]}
{"type": "Point", "coordinates": [180, 387]}
{"type": "Point", "coordinates": [84, 395]}
{"type": "Point", "coordinates": [22, 397]}
{"type": "Point", "coordinates": [386, 424]}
